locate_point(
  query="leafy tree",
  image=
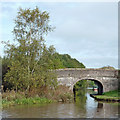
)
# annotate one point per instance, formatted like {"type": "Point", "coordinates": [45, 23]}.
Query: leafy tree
{"type": "Point", "coordinates": [26, 70]}
{"type": "Point", "coordinates": [28, 63]}
{"type": "Point", "coordinates": [5, 63]}
{"type": "Point", "coordinates": [0, 70]}
{"type": "Point", "coordinates": [50, 58]}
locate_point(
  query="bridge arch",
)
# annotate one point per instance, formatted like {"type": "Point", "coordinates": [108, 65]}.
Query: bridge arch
{"type": "Point", "coordinates": [106, 78]}
{"type": "Point", "coordinates": [97, 82]}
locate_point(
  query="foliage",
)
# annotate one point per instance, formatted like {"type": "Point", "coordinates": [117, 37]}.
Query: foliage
{"type": "Point", "coordinates": [108, 67]}
{"type": "Point", "coordinates": [23, 101]}
{"type": "Point", "coordinates": [0, 71]}
{"type": "Point", "coordinates": [27, 69]}
{"type": "Point", "coordinates": [60, 94]}
{"type": "Point", "coordinates": [4, 66]}
{"type": "Point", "coordinates": [91, 83]}
{"type": "Point", "coordinates": [81, 94]}
{"type": "Point", "coordinates": [109, 96]}
{"type": "Point", "coordinates": [114, 93]}
{"type": "Point", "coordinates": [49, 58]}
{"type": "Point", "coordinates": [57, 61]}
{"type": "Point", "coordinates": [80, 85]}
{"type": "Point", "coordinates": [69, 62]}
{"type": "Point", "coordinates": [27, 66]}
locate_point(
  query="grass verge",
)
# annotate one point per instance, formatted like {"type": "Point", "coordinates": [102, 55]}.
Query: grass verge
{"type": "Point", "coordinates": [109, 96]}
{"type": "Point", "coordinates": [24, 101]}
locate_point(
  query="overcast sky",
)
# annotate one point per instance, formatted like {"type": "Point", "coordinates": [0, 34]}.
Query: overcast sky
{"type": "Point", "coordinates": [86, 31]}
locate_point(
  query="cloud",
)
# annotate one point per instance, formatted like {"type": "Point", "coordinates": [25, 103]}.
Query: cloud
{"type": "Point", "coordinates": [98, 62]}
{"type": "Point", "coordinates": [86, 31]}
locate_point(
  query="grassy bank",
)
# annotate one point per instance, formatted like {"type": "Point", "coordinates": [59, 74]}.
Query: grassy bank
{"type": "Point", "coordinates": [109, 96]}
{"type": "Point", "coordinates": [60, 94]}
{"type": "Point", "coordinates": [24, 101]}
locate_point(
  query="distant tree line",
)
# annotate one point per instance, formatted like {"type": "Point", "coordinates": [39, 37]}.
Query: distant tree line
{"type": "Point", "coordinates": [108, 67]}
{"type": "Point", "coordinates": [65, 61]}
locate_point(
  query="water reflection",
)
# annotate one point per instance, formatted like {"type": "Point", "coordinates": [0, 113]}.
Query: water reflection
{"type": "Point", "coordinates": [84, 107]}
{"type": "Point", "coordinates": [80, 94]}
{"type": "Point", "coordinates": [93, 108]}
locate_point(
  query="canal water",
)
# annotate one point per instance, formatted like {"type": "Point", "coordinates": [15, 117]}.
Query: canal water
{"type": "Point", "coordinates": [84, 107]}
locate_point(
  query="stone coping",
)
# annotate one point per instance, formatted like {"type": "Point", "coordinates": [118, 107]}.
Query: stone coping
{"type": "Point", "coordinates": [87, 69]}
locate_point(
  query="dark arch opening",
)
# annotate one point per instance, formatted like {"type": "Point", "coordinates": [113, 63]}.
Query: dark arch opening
{"type": "Point", "coordinates": [100, 87]}
{"type": "Point", "coordinates": [99, 84]}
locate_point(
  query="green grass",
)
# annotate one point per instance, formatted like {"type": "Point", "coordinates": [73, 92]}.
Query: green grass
{"type": "Point", "coordinates": [114, 93]}
{"type": "Point", "coordinates": [110, 95]}
{"type": "Point", "coordinates": [106, 97]}
{"type": "Point", "coordinates": [24, 101]}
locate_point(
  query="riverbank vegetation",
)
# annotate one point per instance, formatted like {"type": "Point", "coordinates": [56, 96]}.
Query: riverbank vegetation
{"type": "Point", "coordinates": [25, 101]}
{"type": "Point", "coordinates": [28, 62]}
{"type": "Point", "coordinates": [37, 96]}
{"type": "Point", "coordinates": [109, 96]}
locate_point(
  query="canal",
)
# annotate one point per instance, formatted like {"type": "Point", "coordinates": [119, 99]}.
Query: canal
{"type": "Point", "coordinates": [84, 107]}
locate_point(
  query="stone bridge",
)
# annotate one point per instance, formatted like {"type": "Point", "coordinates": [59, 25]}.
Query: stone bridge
{"type": "Point", "coordinates": [106, 79]}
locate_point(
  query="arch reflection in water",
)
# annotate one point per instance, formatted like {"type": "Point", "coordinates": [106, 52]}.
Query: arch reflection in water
{"type": "Point", "coordinates": [80, 87]}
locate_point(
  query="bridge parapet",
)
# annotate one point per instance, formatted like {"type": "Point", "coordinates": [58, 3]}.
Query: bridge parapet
{"type": "Point", "coordinates": [74, 72]}
{"type": "Point", "coordinates": [69, 76]}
